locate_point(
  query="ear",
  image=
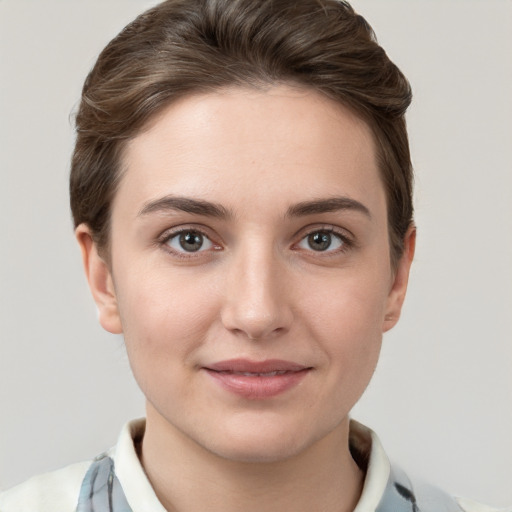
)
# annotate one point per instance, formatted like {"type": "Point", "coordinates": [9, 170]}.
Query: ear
{"type": "Point", "coordinates": [399, 285]}
{"type": "Point", "coordinates": [100, 280]}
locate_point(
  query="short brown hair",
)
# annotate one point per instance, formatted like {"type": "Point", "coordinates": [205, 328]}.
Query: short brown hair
{"type": "Point", "coordinates": [184, 46]}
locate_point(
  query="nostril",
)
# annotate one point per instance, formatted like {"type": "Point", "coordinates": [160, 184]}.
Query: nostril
{"type": "Point", "coordinates": [260, 334]}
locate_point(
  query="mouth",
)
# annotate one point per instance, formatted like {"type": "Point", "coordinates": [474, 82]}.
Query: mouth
{"type": "Point", "coordinates": [257, 380]}
{"type": "Point", "coordinates": [257, 374]}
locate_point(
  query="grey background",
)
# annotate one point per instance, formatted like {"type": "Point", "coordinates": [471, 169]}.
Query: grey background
{"type": "Point", "coordinates": [441, 399]}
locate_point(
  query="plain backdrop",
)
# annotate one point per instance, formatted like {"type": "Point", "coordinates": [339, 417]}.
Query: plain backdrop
{"type": "Point", "coordinates": [441, 399]}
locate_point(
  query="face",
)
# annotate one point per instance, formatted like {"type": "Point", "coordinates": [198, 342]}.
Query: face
{"type": "Point", "coordinates": [250, 269]}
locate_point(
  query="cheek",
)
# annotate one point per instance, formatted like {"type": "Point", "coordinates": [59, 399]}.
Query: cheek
{"type": "Point", "coordinates": [346, 316]}
{"type": "Point", "coordinates": [350, 305]}
{"type": "Point", "coordinates": [165, 318]}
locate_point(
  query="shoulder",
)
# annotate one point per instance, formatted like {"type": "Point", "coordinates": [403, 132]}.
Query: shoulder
{"type": "Point", "coordinates": [430, 498]}
{"type": "Point", "coordinates": [62, 490]}
{"type": "Point", "coordinates": [472, 506]}
{"type": "Point", "coordinates": [387, 488]}
{"type": "Point", "coordinates": [56, 491]}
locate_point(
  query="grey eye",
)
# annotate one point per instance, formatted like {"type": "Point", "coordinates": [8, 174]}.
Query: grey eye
{"type": "Point", "coordinates": [189, 241]}
{"type": "Point", "coordinates": [321, 241]}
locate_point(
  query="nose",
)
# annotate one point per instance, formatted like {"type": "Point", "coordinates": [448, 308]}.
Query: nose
{"type": "Point", "coordinates": [257, 301]}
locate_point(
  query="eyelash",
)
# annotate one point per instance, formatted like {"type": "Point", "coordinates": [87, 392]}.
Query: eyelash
{"type": "Point", "coordinates": [167, 236]}
{"type": "Point", "coordinates": [346, 242]}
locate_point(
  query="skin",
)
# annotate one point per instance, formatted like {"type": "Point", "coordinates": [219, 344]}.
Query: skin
{"type": "Point", "coordinates": [257, 289]}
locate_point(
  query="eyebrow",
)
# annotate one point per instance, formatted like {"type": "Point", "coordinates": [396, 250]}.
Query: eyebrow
{"type": "Point", "coordinates": [331, 204]}
{"type": "Point", "coordinates": [185, 204]}
{"type": "Point", "coordinates": [209, 209]}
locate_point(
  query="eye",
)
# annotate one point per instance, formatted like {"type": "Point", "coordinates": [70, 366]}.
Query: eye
{"type": "Point", "coordinates": [189, 241]}
{"type": "Point", "coordinates": [322, 241]}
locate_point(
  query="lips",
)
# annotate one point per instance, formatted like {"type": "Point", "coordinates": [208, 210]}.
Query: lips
{"type": "Point", "coordinates": [257, 380]}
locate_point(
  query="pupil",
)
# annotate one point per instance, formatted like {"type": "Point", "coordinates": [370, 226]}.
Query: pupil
{"type": "Point", "coordinates": [319, 241]}
{"type": "Point", "coordinates": [191, 241]}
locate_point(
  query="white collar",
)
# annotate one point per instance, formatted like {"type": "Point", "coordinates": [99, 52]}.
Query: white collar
{"type": "Point", "coordinates": [137, 489]}
{"type": "Point", "coordinates": [378, 470]}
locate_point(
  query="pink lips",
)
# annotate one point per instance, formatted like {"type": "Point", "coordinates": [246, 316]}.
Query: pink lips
{"type": "Point", "coordinates": [257, 380]}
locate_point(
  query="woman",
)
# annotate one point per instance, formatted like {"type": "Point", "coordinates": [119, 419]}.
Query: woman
{"type": "Point", "coordinates": [241, 191]}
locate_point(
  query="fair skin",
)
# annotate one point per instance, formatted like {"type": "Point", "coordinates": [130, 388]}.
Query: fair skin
{"type": "Point", "coordinates": [250, 225]}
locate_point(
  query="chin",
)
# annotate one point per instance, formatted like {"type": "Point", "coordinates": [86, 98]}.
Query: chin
{"type": "Point", "coordinates": [262, 451]}
{"type": "Point", "coordinates": [262, 442]}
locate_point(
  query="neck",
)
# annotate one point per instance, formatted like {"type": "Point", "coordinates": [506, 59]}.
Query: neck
{"type": "Point", "coordinates": [188, 478]}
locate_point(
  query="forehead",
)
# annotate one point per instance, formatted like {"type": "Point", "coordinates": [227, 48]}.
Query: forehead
{"type": "Point", "coordinates": [274, 146]}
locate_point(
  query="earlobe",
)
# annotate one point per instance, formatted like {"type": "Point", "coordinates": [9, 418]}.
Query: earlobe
{"type": "Point", "coordinates": [100, 281]}
{"type": "Point", "coordinates": [399, 285]}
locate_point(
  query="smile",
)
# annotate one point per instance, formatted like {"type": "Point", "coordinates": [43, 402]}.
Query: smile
{"type": "Point", "coordinates": [257, 380]}
{"type": "Point", "coordinates": [251, 374]}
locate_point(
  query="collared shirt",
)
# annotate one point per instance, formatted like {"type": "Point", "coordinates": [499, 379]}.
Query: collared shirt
{"type": "Point", "coordinates": [116, 482]}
